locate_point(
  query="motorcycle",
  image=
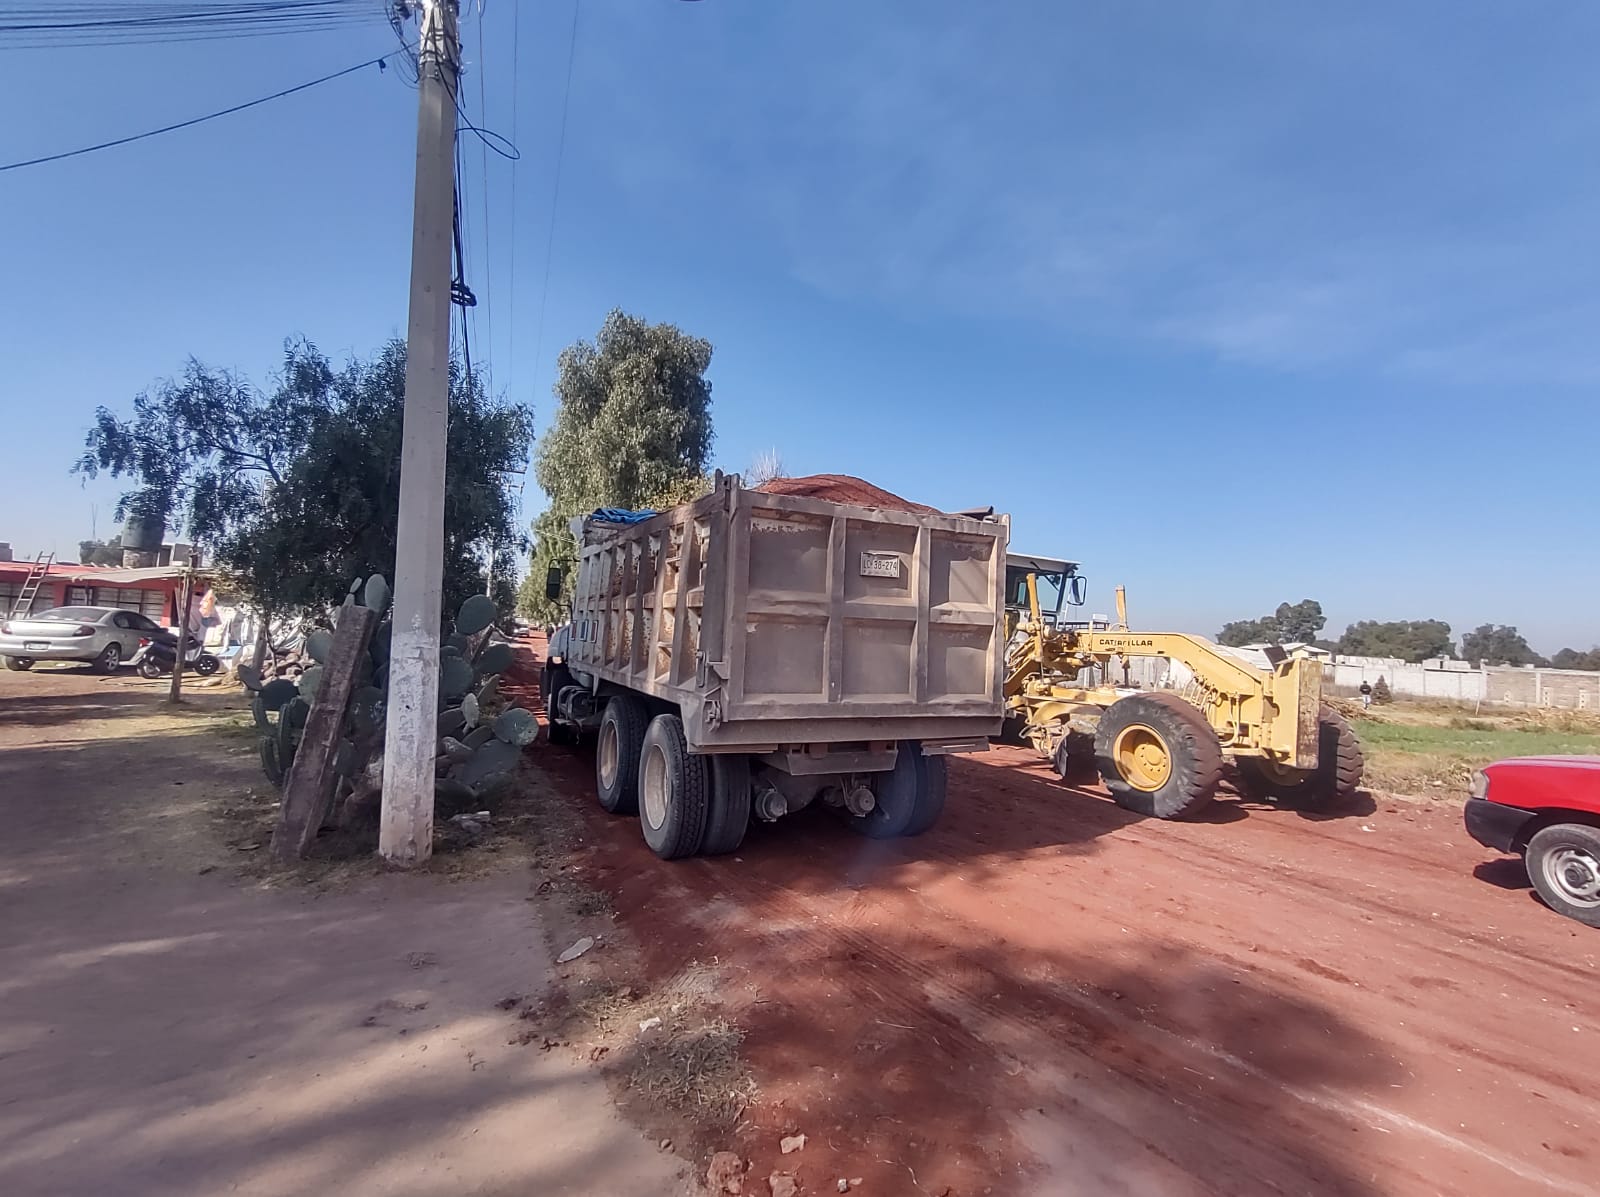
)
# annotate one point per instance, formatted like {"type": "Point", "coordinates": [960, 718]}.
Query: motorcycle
{"type": "Point", "coordinates": [156, 657]}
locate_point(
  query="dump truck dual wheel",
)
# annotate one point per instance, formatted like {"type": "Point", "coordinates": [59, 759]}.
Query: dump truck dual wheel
{"type": "Point", "coordinates": [1158, 756]}
{"type": "Point", "coordinates": [616, 754]}
{"type": "Point", "coordinates": [729, 814]}
{"type": "Point", "coordinates": [908, 799]}
{"type": "Point", "coordinates": [674, 790]}
{"type": "Point", "coordinates": [1337, 775]}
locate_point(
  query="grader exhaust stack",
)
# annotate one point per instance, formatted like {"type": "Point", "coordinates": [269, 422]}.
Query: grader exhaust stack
{"type": "Point", "coordinates": [1160, 752]}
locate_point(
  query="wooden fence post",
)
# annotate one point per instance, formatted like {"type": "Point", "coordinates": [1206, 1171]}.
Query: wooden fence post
{"type": "Point", "coordinates": [308, 789]}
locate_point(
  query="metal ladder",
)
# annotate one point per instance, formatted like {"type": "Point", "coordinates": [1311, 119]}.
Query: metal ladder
{"type": "Point", "coordinates": [30, 586]}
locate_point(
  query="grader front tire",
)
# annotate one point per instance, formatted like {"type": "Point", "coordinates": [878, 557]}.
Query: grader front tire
{"type": "Point", "coordinates": [1337, 775]}
{"type": "Point", "coordinates": [1158, 756]}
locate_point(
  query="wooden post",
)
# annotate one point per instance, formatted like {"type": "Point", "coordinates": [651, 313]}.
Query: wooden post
{"type": "Point", "coordinates": [175, 690]}
{"type": "Point", "coordinates": [263, 633]}
{"type": "Point", "coordinates": [308, 790]}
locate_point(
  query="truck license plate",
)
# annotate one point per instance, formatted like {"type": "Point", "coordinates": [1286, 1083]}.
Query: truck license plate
{"type": "Point", "coordinates": [880, 565]}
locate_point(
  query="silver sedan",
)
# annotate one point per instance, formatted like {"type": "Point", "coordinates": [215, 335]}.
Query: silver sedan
{"type": "Point", "coordinates": [103, 635]}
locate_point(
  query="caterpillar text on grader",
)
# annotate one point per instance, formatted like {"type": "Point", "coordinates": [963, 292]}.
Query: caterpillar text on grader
{"type": "Point", "coordinates": [1160, 752]}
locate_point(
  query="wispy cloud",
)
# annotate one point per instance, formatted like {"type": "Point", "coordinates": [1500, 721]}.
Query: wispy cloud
{"type": "Point", "coordinates": [1289, 193]}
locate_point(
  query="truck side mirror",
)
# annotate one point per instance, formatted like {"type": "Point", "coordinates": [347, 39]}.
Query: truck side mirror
{"type": "Point", "coordinates": [1077, 589]}
{"type": "Point", "coordinates": [552, 584]}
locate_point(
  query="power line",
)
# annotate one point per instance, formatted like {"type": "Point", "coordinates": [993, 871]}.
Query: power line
{"type": "Point", "coordinates": [100, 24]}
{"type": "Point", "coordinates": [483, 172]}
{"type": "Point", "coordinates": [555, 190]}
{"type": "Point", "coordinates": [516, 76]}
{"type": "Point", "coordinates": [199, 120]}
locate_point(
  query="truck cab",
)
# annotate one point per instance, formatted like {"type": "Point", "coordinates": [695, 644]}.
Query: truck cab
{"type": "Point", "coordinates": [1057, 582]}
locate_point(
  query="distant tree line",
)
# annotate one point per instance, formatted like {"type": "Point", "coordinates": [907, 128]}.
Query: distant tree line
{"type": "Point", "coordinates": [1407, 639]}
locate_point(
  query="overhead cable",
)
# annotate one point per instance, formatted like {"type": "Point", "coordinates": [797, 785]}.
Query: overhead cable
{"type": "Point", "coordinates": [210, 116]}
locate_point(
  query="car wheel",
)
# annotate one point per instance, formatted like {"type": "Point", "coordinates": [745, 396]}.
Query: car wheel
{"type": "Point", "coordinates": [19, 663]}
{"type": "Point", "coordinates": [110, 658]}
{"type": "Point", "coordinates": [1563, 863]}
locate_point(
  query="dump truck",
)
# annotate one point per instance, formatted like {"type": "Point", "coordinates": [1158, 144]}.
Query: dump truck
{"type": "Point", "coordinates": [750, 654]}
{"type": "Point", "coordinates": [1161, 751]}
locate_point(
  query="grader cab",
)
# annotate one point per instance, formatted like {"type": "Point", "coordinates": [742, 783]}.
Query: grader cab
{"type": "Point", "coordinates": [1160, 749]}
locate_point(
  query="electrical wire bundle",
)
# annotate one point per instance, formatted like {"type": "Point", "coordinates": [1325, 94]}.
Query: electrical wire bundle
{"type": "Point", "coordinates": [99, 23]}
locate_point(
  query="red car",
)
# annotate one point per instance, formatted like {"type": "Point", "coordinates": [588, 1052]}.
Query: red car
{"type": "Point", "coordinates": [1547, 808]}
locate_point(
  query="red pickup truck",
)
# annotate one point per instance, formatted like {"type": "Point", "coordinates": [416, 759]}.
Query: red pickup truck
{"type": "Point", "coordinates": [1547, 808]}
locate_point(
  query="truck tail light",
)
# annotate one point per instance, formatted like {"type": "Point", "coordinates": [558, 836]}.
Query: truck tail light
{"type": "Point", "coordinates": [1479, 787]}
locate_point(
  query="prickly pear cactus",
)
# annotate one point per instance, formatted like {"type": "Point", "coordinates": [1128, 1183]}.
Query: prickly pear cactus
{"type": "Point", "coordinates": [480, 738]}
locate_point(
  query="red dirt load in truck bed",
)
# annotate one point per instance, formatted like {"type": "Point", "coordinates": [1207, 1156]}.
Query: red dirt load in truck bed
{"type": "Point", "coordinates": [842, 488]}
{"type": "Point", "coordinates": [1048, 995]}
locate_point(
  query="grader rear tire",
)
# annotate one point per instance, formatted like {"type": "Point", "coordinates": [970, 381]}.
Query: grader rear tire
{"type": "Point", "coordinates": [1074, 758]}
{"type": "Point", "coordinates": [1337, 775]}
{"type": "Point", "coordinates": [1158, 756]}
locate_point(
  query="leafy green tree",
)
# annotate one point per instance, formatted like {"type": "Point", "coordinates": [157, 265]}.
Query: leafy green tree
{"type": "Point", "coordinates": [1249, 631]}
{"type": "Point", "coordinates": [100, 552]}
{"type": "Point", "coordinates": [632, 429]}
{"type": "Point", "coordinates": [1571, 658]}
{"type": "Point", "coordinates": [1498, 644]}
{"type": "Point", "coordinates": [1407, 639]}
{"type": "Point", "coordinates": [296, 491]}
{"type": "Point", "coordinates": [1291, 623]}
{"type": "Point", "coordinates": [1299, 623]}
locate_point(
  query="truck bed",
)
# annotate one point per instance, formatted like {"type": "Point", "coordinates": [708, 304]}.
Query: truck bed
{"type": "Point", "coordinates": [775, 620]}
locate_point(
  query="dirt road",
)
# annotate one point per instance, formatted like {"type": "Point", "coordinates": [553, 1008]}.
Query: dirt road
{"type": "Point", "coordinates": [1047, 995]}
{"type": "Point", "coordinates": [173, 1027]}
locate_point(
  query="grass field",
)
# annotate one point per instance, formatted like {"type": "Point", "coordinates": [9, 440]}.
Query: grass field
{"type": "Point", "coordinates": [1423, 749]}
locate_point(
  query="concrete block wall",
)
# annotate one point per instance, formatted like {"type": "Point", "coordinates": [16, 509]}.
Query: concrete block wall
{"type": "Point", "coordinates": [1449, 681]}
{"type": "Point", "coordinates": [1561, 689]}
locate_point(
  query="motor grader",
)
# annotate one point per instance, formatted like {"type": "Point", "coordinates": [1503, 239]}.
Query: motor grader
{"type": "Point", "coordinates": [1160, 751]}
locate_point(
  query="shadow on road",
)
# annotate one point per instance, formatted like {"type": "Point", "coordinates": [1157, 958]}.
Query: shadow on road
{"type": "Point", "coordinates": [1506, 872]}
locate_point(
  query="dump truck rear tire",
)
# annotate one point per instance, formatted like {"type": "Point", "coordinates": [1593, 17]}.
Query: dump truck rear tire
{"type": "Point", "coordinates": [1158, 756]}
{"type": "Point", "coordinates": [933, 784]}
{"type": "Point", "coordinates": [674, 790]}
{"type": "Point", "coordinates": [1338, 773]}
{"type": "Point", "coordinates": [729, 815]}
{"type": "Point", "coordinates": [909, 798]}
{"type": "Point", "coordinates": [616, 754]}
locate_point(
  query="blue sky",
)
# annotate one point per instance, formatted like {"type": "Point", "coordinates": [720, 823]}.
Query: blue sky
{"type": "Point", "coordinates": [1234, 303]}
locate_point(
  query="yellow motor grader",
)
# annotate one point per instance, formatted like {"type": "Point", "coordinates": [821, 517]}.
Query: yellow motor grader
{"type": "Point", "coordinates": [1160, 751]}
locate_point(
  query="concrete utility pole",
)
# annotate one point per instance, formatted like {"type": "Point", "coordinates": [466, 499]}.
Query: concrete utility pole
{"type": "Point", "coordinates": [405, 834]}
